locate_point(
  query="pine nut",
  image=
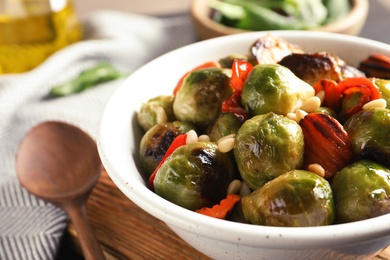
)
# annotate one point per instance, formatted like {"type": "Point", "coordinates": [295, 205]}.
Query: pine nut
{"type": "Point", "coordinates": [234, 187]}
{"type": "Point", "coordinates": [226, 145]}
{"type": "Point", "coordinates": [317, 169]}
{"type": "Point", "coordinates": [244, 190]}
{"type": "Point", "coordinates": [292, 116]}
{"type": "Point", "coordinates": [376, 103]}
{"type": "Point", "coordinates": [311, 105]}
{"type": "Point", "coordinates": [226, 137]}
{"type": "Point", "coordinates": [192, 137]}
{"type": "Point", "coordinates": [204, 138]}
{"type": "Point", "coordinates": [300, 114]}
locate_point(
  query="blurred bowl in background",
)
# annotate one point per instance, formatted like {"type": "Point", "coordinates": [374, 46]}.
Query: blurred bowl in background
{"type": "Point", "coordinates": [206, 28]}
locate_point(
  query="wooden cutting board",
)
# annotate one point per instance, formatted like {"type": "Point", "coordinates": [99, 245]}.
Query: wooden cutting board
{"type": "Point", "coordinates": [125, 231]}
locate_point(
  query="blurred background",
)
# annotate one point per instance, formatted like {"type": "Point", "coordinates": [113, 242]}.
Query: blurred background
{"type": "Point", "coordinates": [152, 7]}
{"type": "Point", "coordinates": [42, 33]}
{"type": "Point", "coordinates": [376, 26]}
{"type": "Point", "coordinates": [378, 20]}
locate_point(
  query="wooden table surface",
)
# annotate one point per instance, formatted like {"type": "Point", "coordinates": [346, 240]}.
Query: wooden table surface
{"type": "Point", "coordinates": [125, 231]}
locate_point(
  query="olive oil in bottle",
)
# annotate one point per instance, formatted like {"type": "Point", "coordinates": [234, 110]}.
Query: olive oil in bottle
{"type": "Point", "coordinates": [32, 30]}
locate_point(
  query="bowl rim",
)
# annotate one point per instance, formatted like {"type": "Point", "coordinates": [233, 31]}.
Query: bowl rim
{"type": "Point", "coordinates": [371, 229]}
{"type": "Point", "coordinates": [200, 12]}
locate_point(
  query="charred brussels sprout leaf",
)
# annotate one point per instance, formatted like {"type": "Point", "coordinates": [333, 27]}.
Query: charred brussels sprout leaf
{"type": "Point", "coordinates": [369, 132]}
{"type": "Point", "coordinates": [196, 175]}
{"type": "Point", "coordinates": [295, 199]}
{"type": "Point", "coordinates": [266, 147]}
{"type": "Point", "coordinates": [274, 88]}
{"type": "Point", "coordinates": [200, 97]}
{"type": "Point", "coordinates": [155, 143]}
{"type": "Point", "coordinates": [157, 110]}
{"type": "Point", "coordinates": [361, 191]}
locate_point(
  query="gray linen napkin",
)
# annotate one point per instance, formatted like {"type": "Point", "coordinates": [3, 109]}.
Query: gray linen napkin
{"type": "Point", "coordinates": [29, 227]}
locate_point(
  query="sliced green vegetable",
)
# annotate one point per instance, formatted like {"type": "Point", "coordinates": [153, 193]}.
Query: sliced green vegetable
{"type": "Point", "coordinates": [88, 78]}
{"type": "Point", "coordinates": [336, 9]}
{"type": "Point", "coordinates": [278, 14]}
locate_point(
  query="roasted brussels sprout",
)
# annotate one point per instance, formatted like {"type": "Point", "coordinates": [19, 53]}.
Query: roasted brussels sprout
{"type": "Point", "coordinates": [227, 62]}
{"type": "Point", "coordinates": [369, 132]}
{"type": "Point", "coordinates": [266, 147]}
{"type": "Point", "coordinates": [226, 124]}
{"type": "Point", "coordinates": [384, 88]}
{"type": "Point", "coordinates": [155, 111]}
{"type": "Point", "coordinates": [312, 67]}
{"type": "Point", "coordinates": [269, 49]}
{"type": "Point", "coordinates": [361, 191]}
{"type": "Point", "coordinates": [297, 198]}
{"type": "Point", "coordinates": [195, 175]}
{"type": "Point", "coordinates": [274, 88]}
{"type": "Point", "coordinates": [328, 111]}
{"type": "Point", "coordinates": [200, 97]}
{"type": "Point", "coordinates": [156, 141]}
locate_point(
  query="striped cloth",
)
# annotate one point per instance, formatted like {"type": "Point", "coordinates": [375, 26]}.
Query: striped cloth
{"type": "Point", "coordinates": [28, 234]}
{"type": "Point", "coordinates": [29, 227]}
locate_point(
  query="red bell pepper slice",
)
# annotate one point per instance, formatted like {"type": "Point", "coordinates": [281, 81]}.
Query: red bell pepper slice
{"type": "Point", "coordinates": [352, 86]}
{"type": "Point", "coordinates": [240, 71]}
{"type": "Point", "coordinates": [210, 64]}
{"type": "Point", "coordinates": [233, 105]}
{"type": "Point", "coordinates": [176, 143]}
{"type": "Point", "coordinates": [222, 209]}
{"type": "Point", "coordinates": [335, 93]}
{"type": "Point", "coordinates": [332, 95]}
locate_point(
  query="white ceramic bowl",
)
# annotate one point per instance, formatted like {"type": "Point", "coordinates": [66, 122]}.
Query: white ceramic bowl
{"type": "Point", "coordinates": [118, 143]}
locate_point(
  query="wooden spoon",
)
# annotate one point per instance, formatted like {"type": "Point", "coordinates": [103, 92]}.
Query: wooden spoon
{"type": "Point", "coordinates": [59, 163]}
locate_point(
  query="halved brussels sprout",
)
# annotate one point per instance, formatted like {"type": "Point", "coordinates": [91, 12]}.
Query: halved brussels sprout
{"type": "Point", "coordinates": [369, 133]}
{"type": "Point", "coordinates": [195, 175]}
{"type": "Point", "coordinates": [200, 97]}
{"type": "Point", "coordinates": [361, 191]}
{"type": "Point", "coordinates": [274, 88]}
{"type": "Point", "coordinates": [268, 146]}
{"type": "Point", "coordinates": [155, 111]}
{"type": "Point", "coordinates": [297, 198]}
{"type": "Point", "coordinates": [156, 141]}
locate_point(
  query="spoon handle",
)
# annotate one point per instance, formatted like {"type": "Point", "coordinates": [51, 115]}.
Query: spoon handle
{"type": "Point", "coordinates": [89, 244]}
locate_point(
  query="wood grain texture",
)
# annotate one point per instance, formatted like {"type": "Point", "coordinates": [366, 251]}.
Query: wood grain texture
{"type": "Point", "coordinates": [125, 231]}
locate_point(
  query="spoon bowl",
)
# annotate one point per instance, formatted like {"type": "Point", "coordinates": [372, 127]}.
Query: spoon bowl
{"type": "Point", "coordinates": [59, 163]}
